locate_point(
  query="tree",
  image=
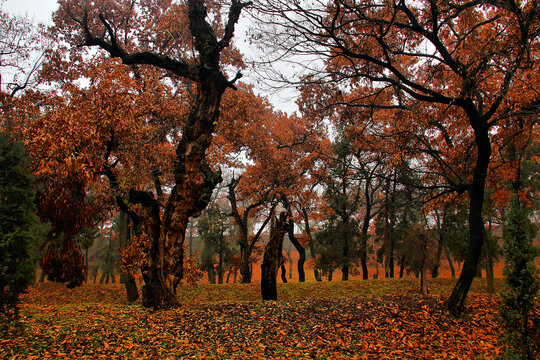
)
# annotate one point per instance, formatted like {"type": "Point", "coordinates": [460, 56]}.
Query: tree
{"type": "Point", "coordinates": [273, 152]}
{"type": "Point", "coordinates": [241, 216]}
{"type": "Point", "coordinates": [521, 278]}
{"type": "Point", "coordinates": [21, 232]}
{"type": "Point", "coordinates": [111, 27]}
{"type": "Point", "coordinates": [20, 229]}
{"type": "Point", "coordinates": [22, 52]}
{"type": "Point", "coordinates": [215, 230]}
{"type": "Point", "coordinates": [272, 256]}
{"type": "Point", "coordinates": [427, 56]}
{"type": "Point", "coordinates": [342, 195]}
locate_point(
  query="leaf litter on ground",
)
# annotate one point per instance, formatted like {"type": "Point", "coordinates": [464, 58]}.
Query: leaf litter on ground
{"type": "Point", "coordinates": [375, 319]}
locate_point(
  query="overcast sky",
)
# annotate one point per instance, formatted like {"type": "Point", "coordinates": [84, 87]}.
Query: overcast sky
{"type": "Point", "coordinates": [38, 10]}
{"type": "Point", "coordinates": [41, 10]}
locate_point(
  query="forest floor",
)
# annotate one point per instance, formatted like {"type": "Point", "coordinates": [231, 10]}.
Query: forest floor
{"type": "Point", "coordinates": [372, 319]}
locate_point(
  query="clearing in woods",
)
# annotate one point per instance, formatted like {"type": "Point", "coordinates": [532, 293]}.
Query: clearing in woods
{"type": "Point", "coordinates": [373, 319]}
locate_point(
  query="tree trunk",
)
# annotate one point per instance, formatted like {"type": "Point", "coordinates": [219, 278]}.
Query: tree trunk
{"type": "Point", "coordinates": [86, 263]}
{"type": "Point", "coordinates": [401, 266]}
{"type": "Point", "coordinates": [450, 263]}
{"type": "Point", "coordinates": [436, 265]}
{"type": "Point", "coordinates": [489, 266]}
{"type": "Point", "coordinates": [345, 273]}
{"type": "Point", "coordinates": [272, 257]}
{"type": "Point", "coordinates": [127, 279]}
{"type": "Point", "coordinates": [94, 274]}
{"type": "Point", "coordinates": [301, 251]}
{"type": "Point", "coordinates": [190, 236]}
{"type": "Point", "coordinates": [194, 181]}
{"type": "Point", "coordinates": [391, 260]}
{"type": "Point", "coordinates": [345, 267]}
{"type": "Point", "coordinates": [42, 276]}
{"type": "Point", "coordinates": [365, 228]}
{"type": "Point", "coordinates": [283, 273]}
{"type": "Point", "coordinates": [479, 271]}
{"type": "Point", "coordinates": [220, 269]}
{"type": "Point", "coordinates": [211, 275]}
{"type": "Point", "coordinates": [245, 265]}
{"type": "Point", "coordinates": [476, 221]}
{"type": "Point", "coordinates": [246, 247]}
{"type": "Point", "coordinates": [423, 285]}
{"type": "Point", "coordinates": [311, 244]}
{"type": "Point", "coordinates": [290, 262]}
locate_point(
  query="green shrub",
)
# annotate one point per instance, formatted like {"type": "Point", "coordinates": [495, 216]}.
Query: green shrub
{"type": "Point", "coordinates": [20, 229]}
{"type": "Point", "coordinates": [521, 286]}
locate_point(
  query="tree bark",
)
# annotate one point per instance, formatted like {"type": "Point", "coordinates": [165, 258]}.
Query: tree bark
{"type": "Point", "coordinates": [272, 257]}
{"type": "Point", "coordinates": [476, 221]}
{"type": "Point", "coordinates": [245, 265]}
{"type": "Point", "coordinates": [345, 267]}
{"type": "Point", "coordinates": [301, 251]}
{"type": "Point", "coordinates": [401, 266]}
{"type": "Point", "coordinates": [132, 292]}
{"type": "Point", "coordinates": [311, 244]}
{"type": "Point", "coordinates": [436, 265]}
{"type": "Point", "coordinates": [489, 266]}
{"type": "Point", "coordinates": [194, 181]}
{"type": "Point", "coordinates": [450, 262]}
{"type": "Point", "coordinates": [365, 225]}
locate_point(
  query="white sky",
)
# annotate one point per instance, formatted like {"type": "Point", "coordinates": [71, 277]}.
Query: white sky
{"type": "Point", "coordinates": [37, 10]}
{"type": "Point", "coordinates": [40, 11]}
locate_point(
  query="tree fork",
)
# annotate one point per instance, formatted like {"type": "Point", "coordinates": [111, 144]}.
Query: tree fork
{"type": "Point", "coordinates": [191, 175]}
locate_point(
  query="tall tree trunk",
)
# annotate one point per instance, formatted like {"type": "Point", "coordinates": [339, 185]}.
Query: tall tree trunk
{"type": "Point", "coordinates": [401, 266]}
{"type": "Point", "coordinates": [95, 273]}
{"type": "Point", "coordinates": [391, 260]}
{"type": "Point", "coordinates": [476, 220]}
{"type": "Point", "coordinates": [392, 225]}
{"type": "Point", "coordinates": [301, 252]}
{"type": "Point", "coordinates": [311, 244]}
{"type": "Point", "coordinates": [365, 228]}
{"type": "Point", "coordinates": [220, 268]}
{"type": "Point", "coordinates": [437, 263]}
{"type": "Point", "coordinates": [345, 267]}
{"type": "Point", "coordinates": [86, 263]}
{"type": "Point", "coordinates": [190, 236]}
{"type": "Point", "coordinates": [272, 257]}
{"type": "Point", "coordinates": [246, 247]}
{"type": "Point", "coordinates": [450, 262]}
{"type": "Point", "coordinates": [489, 266]}
{"type": "Point", "coordinates": [194, 181]}
{"type": "Point", "coordinates": [127, 279]}
{"type": "Point", "coordinates": [423, 285]}
{"type": "Point", "coordinates": [211, 275]}
{"type": "Point", "coordinates": [290, 262]}
{"type": "Point", "coordinates": [245, 265]}
{"type": "Point", "coordinates": [283, 273]}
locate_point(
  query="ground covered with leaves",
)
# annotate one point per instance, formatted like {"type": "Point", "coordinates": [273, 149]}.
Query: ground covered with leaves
{"type": "Point", "coordinates": [375, 319]}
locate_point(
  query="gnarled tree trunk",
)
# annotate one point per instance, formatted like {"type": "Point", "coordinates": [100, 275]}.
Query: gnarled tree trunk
{"type": "Point", "coordinates": [194, 181]}
{"type": "Point", "coordinates": [272, 257]}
